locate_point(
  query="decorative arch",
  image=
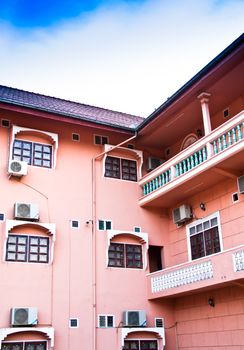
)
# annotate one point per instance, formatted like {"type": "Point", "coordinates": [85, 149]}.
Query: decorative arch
{"type": "Point", "coordinates": [51, 136]}
{"type": "Point", "coordinates": [143, 239]}
{"type": "Point", "coordinates": [47, 331]}
{"type": "Point", "coordinates": [157, 331]}
{"type": "Point", "coordinates": [188, 140]}
{"type": "Point", "coordinates": [48, 228]}
{"type": "Point", "coordinates": [131, 153]}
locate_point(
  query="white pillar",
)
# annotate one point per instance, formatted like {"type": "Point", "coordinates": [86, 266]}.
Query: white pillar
{"type": "Point", "coordinates": [204, 98]}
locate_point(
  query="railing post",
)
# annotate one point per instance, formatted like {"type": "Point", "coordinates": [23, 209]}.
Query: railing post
{"type": "Point", "coordinates": [173, 172]}
{"type": "Point", "coordinates": [210, 150]}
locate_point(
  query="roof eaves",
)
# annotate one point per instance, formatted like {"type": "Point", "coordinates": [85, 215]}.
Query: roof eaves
{"type": "Point", "coordinates": [233, 46]}
{"type": "Point", "coordinates": [65, 114]}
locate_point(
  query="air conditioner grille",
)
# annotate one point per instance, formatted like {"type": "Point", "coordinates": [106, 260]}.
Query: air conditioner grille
{"type": "Point", "coordinates": [21, 316]}
{"type": "Point", "coordinates": [24, 210]}
{"type": "Point", "coordinates": [177, 216]}
{"type": "Point", "coordinates": [15, 167]}
{"type": "Point", "coordinates": [133, 318]}
{"type": "Point", "coordinates": [240, 182]}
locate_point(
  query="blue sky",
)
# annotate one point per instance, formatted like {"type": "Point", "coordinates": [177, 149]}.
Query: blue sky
{"type": "Point", "coordinates": [36, 13]}
{"type": "Point", "coordinates": [123, 55]}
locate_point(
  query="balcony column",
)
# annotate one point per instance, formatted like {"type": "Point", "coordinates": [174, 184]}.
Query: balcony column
{"type": "Point", "coordinates": [204, 99]}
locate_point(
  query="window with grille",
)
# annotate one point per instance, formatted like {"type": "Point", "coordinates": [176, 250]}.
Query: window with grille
{"type": "Point", "coordinates": [25, 346]}
{"type": "Point", "coordinates": [24, 248]}
{"type": "Point", "coordinates": [204, 236]}
{"type": "Point", "coordinates": [119, 168]}
{"type": "Point", "coordinates": [33, 153]}
{"type": "Point", "coordinates": [105, 321]}
{"type": "Point", "coordinates": [140, 345]}
{"type": "Point", "coordinates": [125, 255]}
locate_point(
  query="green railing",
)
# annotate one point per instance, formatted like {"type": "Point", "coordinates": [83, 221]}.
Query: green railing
{"type": "Point", "coordinates": [212, 147]}
{"type": "Point", "coordinates": [191, 162]}
{"type": "Point", "coordinates": [232, 136]}
{"type": "Point", "coordinates": [157, 182]}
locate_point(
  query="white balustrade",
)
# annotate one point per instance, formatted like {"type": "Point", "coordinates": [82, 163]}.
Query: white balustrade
{"type": "Point", "coordinates": [238, 260]}
{"type": "Point", "coordinates": [183, 276]}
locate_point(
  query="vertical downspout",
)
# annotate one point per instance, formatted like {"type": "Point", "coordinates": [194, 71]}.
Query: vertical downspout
{"type": "Point", "coordinates": [94, 246]}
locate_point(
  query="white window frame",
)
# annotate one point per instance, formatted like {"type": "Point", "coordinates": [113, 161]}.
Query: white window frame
{"type": "Point", "coordinates": [53, 137]}
{"type": "Point", "coordinates": [104, 222]}
{"type": "Point", "coordinates": [158, 318]}
{"type": "Point", "coordinates": [71, 319]}
{"type": "Point", "coordinates": [106, 320]}
{"type": "Point", "coordinates": [200, 221]}
{"type": "Point", "coordinates": [74, 227]}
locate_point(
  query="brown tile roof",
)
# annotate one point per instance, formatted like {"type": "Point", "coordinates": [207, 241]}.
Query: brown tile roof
{"type": "Point", "coordinates": [68, 108]}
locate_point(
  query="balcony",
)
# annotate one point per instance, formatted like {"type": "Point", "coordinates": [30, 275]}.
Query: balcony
{"type": "Point", "coordinates": [203, 164]}
{"type": "Point", "coordinates": [206, 273]}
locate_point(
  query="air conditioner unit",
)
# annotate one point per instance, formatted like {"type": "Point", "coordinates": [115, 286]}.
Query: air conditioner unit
{"type": "Point", "coordinates": [134, 318]}
{"type": "Point", "coordinates": [240, 184]}
{"type": "Point", "coordinates": [153, 163]}
{"type": "Point", "coordinates": [25, 211]}
{"type": "Point", "coordinates": [182, 214]}
{"type": "Point", "coordinates": [17, 168]}
{"type": "Point", "coordinates": [23, 316]}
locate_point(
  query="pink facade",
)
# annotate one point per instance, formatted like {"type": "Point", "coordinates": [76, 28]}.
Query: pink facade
{"type": "Point", "coordinates": [118, 233]}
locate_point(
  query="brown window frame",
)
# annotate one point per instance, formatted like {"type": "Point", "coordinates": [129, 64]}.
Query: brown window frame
{"type": "Point", "coordinates": [28, 245]}
{"type": "Point", "coordinates": [121, 168]}
{"type": "Point", "coordinates": [23, 345]}
{"type": "Point", "coordinates": [124, 259]}
{"type": "Point", "coordinates": [28, 151]}
{"type": "Point", "coordinates": [140, 344]}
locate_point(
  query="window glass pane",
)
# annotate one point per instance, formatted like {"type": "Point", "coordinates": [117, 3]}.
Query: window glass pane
{"type": "Point", "coordinates": [129, 169]}
{"type": "Point", "coordinates": [43, 258]}
{"type": "Point", "coordinates": [133, 256]}
{"type": "Point", "coordinates": [206, 225]}
{"type": "Point", "coordinates": [197, 246]}
{"type": "Point", "coordinates": [214, 222]}
{"type": "Point", "coordinates": [101, 225]}
{"type": "Point", "coordinates": [199, 228]}
{"type": "Point", "coordinates": [112, 167]}
{"type": "Point", "coordinates": [38, 147]}
{"type": "Point", "coordinates": [108, 225]}
{"type": "Point", "coordinates": [11, 248]}
{"type": "Point", "coordinates": [46, 163]}
{"type": "Point", "coordinates": [33, 240]}
{"type": "Point", "coordinates": [37, 155]}
{"type": "Point", "coordinates": [21, 257]}
{"type": "Point", "coordinates": [110, 321]}
{"type": "Point", "coordinates": [212, 242]}
{"type": "Point", "coordinates": [37, 162]}
{"type": "Point", "coordinates": [102, 321]}
{"type": "Point", "coordinates": [116, 255]}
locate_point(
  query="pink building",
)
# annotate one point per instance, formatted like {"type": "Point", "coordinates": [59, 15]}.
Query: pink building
{"type": "Point", "coordinates": [124, 233]}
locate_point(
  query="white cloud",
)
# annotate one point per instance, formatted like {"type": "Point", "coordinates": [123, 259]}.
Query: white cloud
{"type": "Point", "coordinates": [127, 58]}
